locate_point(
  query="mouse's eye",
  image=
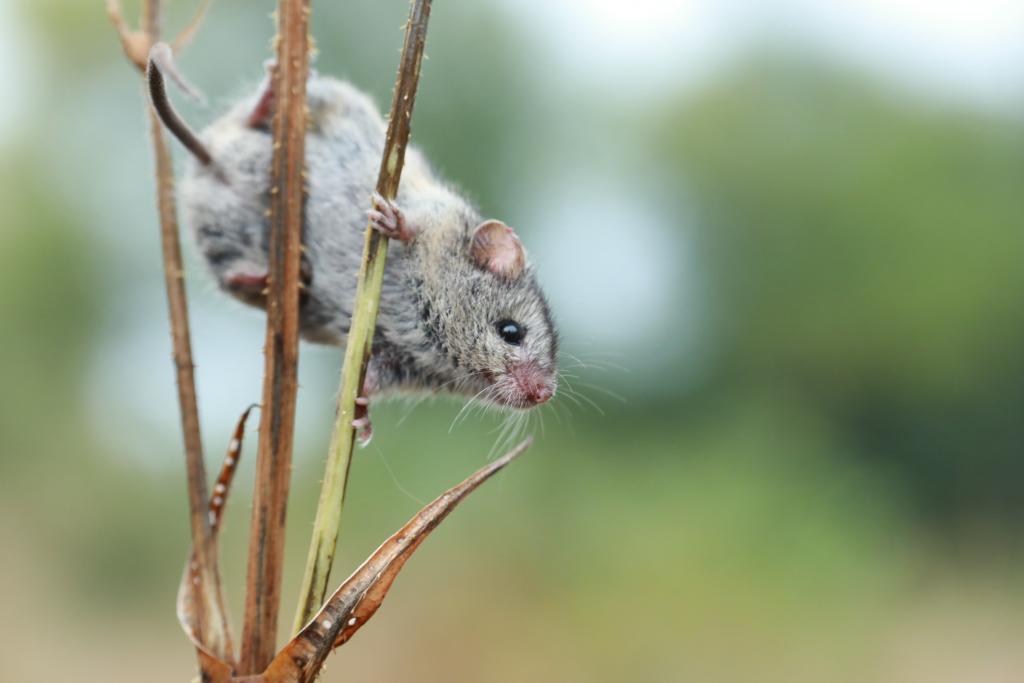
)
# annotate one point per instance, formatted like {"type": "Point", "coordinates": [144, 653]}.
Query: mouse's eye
{"type": "Point", "coordinates": [511, 331]}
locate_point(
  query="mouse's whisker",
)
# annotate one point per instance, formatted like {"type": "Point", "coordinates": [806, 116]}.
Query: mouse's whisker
{"type": "Point", "coordinates": [412, 402]}
{"type": "Point", "coordinates": [591, 402]}
{"type": "Point", "coordinates": [465, 407]}
{"type": "Point", "coordinates": [592, 363]}
{"type": "Point", "coordinates": [508, 427]}
{"type": "Point", "coordinates": [553, 409]}
{"type": "Point", "coordinates": [576, 396]}
{"type": "Point", "coordinates": [501, 429]}
{"type": "Point", "coordinates": [557, 409]}
{"type": "Point", "coordinates": [522, 423]}
{"type": "Point", "coordinates": [563, 378]}
{"type": "Point", "coordinates": [488, 403]}
{"type": "Point", "coordinates": [568, 393]}
{"type": "Point", "coordinates": [607, 392]}
{"type": "Point", "coordinates": [517, 422]}
{"type": "Point", "coordinates": [458, 380]}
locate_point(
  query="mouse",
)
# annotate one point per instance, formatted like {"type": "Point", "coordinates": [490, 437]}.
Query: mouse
{"type": "Point", "coordinates": [461, 309]}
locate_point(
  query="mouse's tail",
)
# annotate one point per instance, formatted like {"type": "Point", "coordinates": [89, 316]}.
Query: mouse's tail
{"type": "Point", "coordinates": [161, 61]}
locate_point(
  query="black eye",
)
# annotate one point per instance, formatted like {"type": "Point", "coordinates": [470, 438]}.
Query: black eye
{"type": "Point", "coordinates": [511, 331]}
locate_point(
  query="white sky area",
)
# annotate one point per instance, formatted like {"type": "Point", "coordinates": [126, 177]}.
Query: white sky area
{"type": "Point", "coordinates": [13, 78]}
{"type": "Point", "coordinates": [609, 243]}
{"type": "Point", "coordinates": [966, 48]}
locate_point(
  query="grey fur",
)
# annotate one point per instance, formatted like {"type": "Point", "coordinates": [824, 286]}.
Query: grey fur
{"type": "Point", "coordinates": [436, 324]}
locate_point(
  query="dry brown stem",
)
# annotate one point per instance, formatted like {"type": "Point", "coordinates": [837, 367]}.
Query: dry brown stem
{"type": "Point", "coordinates": [191, 586]}
{"type": "Point", "coordinates": [281, 351]}
{"type": "Point", "coordinates": [210, 618]}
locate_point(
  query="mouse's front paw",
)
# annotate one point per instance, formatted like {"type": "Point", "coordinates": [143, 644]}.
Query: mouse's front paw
{"type": "Point", "coordinates": [387, 219]}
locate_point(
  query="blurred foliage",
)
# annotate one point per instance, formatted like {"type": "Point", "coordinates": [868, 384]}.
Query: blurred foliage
{"type": "Point", "coordinates": [48, 309]}
{"type": "Point", "coordinates": [865, 257]}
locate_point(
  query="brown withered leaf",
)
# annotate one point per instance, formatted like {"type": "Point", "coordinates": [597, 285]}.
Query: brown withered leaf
{"type": "Point", "coordinates": [215, 666]}
{"type": "Point", "coordinates": [362, 593]}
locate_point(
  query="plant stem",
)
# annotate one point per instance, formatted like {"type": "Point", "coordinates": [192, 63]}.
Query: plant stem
{"type": "Point", "coordinates": [180, 336]}
{"type": "Point", "coordinates": [210, 617]}
{"type": "Point", "coordinates": [281, 352]}
{"type": "Point", "coordinates": [364, 320]}
{"type": "Point", "coordinates": [185, 372]}
{"type": "Point", "coordinates": [152, 18]}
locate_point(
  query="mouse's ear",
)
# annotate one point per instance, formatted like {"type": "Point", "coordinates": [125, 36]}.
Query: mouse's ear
{"type": "Point", "coordinates": [496, 248]}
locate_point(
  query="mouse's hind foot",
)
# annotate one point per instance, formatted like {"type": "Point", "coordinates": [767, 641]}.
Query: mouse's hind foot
{"type": "Point", "coordinates": [251, 285]}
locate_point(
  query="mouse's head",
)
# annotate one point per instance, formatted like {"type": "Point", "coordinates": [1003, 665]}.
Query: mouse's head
{"type": "Point", "coordinates": [506, 339]}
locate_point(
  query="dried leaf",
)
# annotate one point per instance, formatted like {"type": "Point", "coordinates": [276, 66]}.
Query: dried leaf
{"type": "Point", "coordinates": [217, 666]}
{"type": "Point", "coordinates": [362, 593]}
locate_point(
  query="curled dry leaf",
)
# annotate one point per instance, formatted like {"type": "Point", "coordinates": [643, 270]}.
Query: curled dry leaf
{"type": "Point", "coordinates": [351, 606]}
{"type": "Point", "coordinates": [216, 666]}
{"type": "Point", "coordinates": [362, 593]}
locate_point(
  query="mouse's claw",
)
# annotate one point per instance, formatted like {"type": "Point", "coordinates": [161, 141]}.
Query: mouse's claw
{"type": "Point", "coordinates": [361, 423]}
{"type": "Point", "coordinates": [364, 430]}
{"type": "Point", "coordinates": [387, 219]}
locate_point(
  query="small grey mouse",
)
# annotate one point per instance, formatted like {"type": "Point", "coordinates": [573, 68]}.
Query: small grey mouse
{"type": "Point", "coordinates": [461, 310]}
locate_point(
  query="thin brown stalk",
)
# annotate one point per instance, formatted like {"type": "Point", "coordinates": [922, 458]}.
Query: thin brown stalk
{"type": "Point", "coordinates": [364, 320]}
{"type": "Point", "coordinates": [190, 590]}
{"type": "Point", "coordinates": [152, 18]}
{"type": "Point", "coordinates": [210, 612]}
{"type": "Point", "coordinates": [281, 352]}
{"type": "Point", "coordinates": [187, 33]}
{"type": "Point", "coordinates": [184, 367]}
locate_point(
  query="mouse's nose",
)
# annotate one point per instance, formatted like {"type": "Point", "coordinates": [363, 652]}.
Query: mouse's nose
{"type": "Point", "coordinates": [535, 384]}
{"type": "Point", "coordinates": [540, 394]}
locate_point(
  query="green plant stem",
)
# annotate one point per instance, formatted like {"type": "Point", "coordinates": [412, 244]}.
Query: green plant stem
{"type": "Point", "coordinates": [364, 320]}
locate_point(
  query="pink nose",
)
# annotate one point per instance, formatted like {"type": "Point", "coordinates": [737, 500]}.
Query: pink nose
{"type": "Point", "coordinates": [533, 383]}
{"type": "Point", "coordinates": [540, 394]}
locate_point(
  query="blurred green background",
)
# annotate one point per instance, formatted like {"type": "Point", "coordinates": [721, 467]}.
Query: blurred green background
{"type": "Point", "coordinates": [784, 241]}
